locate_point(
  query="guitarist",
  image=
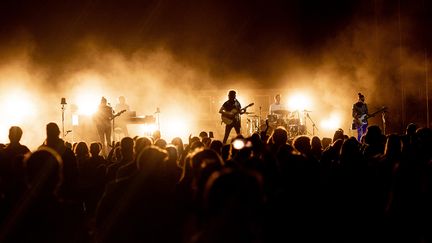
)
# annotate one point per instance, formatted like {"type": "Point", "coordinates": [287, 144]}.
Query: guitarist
{"type": "Point", "coordinates": [359, 111]}
{"type": "Point", "coordinates": [102, 119]}
{"type": "Point", "coordinates": [232, 109]}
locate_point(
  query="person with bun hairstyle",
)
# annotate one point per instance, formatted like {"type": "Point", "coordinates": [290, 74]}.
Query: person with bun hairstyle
{"type": "Point", "coordinates": [360, 114]}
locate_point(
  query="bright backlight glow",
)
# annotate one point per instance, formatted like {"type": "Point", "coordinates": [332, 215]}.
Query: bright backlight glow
{"type": "Point", "coordinates": [17, 107]}
{"type": "Point", "coordinates": [146, 129]}
{"type": "Point", "coordinates": [331, 123]}
{"type": "Point", "coordinates": [299, 102]}
{"type": "Point", "coordinates": [175, 127]}
{"type": "Point", "coordinates": [87, 103]}
{"type": "Point", "coordinates": [75, 120]}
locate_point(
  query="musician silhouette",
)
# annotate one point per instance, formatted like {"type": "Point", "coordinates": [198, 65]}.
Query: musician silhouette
{"type": "Point", "coordinates": [277, 108]}
{"type": "Point", "coordinates": [103, 119]}
{"type": "Point", "coordinates": [231, 111]}
{"type": "Point", "coordinates": [359, 114]}
{"type": "Point", "coordinates": [277, 112]}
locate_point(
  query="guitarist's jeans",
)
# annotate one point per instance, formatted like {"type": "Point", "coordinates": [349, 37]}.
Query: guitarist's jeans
{"type": "Point", "coordinates": [104, 131]}
{"type": "Point", "coordinates": [361, 130]}
{"type": "Point", "coordinates": [228, 128]}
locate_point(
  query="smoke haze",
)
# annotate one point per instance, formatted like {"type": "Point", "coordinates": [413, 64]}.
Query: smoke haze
{"type": "Point", "coordinates": [183, 56]}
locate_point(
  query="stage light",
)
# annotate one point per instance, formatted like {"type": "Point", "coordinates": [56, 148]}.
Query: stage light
{"type": "Point", "coordinates": [4, 133]}
{"type": "Point", "coordinates": [17, 107]}
{"type": "Point", "coordinates": [299, 102]}
{"type": "Point", "coordinates": [146, 129]}
{"type": "Point", "coordinates": [331, 123]}
{"type": "Point", "coordinates": [87, 103]}
{"type": "Point", "coordinates": [175, 127]}
{"type": "Point", "coordinates": [75, 121]}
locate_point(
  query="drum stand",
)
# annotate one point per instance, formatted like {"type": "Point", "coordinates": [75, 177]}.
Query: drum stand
{"type": "Point", "coordinates": [259, 120]}
{"type": "Point", "coordinates": [253, 124]}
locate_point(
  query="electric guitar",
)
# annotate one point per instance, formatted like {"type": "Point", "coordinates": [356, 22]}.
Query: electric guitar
{"type": "Point", "coordinates": [362, 120]}
{"type": "Point", "coordinates": [118, 114]}
{"type": "Point", "coordinates": [229, 116]}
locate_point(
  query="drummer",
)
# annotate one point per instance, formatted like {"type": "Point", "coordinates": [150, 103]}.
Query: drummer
{"type": "Point", "coordinates": [277, 109]}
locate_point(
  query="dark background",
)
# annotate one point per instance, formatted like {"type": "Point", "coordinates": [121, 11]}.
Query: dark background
{"type": "Point", "coordinates": [263, 40]}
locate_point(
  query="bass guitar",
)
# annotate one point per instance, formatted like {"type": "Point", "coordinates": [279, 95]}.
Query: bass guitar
{"type": "Point", "coordinates": [230, 116]}
{"type": "Point", "coordinates": [362, 120]}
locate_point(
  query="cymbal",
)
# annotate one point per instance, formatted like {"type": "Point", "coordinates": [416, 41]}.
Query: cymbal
{"type": "Point", "coordinates": [247, 113]}
{"type": "Point", "coordinates": [281, 112]}
{"type": "Point", "coordinates": [254, 116]}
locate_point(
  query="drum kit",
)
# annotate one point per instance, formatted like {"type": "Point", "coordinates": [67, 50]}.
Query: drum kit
{"type": "Point", "coordinates": [291, 121]}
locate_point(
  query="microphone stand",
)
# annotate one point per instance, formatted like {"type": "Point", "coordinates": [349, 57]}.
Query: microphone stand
{"type": "Point", "coordinates": [259, 120]}
{"type": "Point", "coordinates": [63, 103]}
{"type": "Point", "coordinates": [313, 124]}
{"type": "Point", "coordinates": [113, 125]}
{"type": "Point", "coordinates": [63, 111]}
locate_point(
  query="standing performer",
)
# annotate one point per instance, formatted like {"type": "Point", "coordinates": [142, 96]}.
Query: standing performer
{"type": "Point", "coordinates": [103, 119]}
{"type": "Point", "coordinates": [360, 114]}
{"type": "Point", "coordinates": [231, 111]}
{"type": "Point", "coordinates": [121, 122]}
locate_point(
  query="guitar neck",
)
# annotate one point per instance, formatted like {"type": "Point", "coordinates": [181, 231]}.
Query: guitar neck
{"type": "Point", "coordinates": [378, 111]}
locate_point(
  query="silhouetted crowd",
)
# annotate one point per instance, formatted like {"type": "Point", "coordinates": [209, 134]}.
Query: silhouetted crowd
{"type": "Point", "coordinates": [262, 188]}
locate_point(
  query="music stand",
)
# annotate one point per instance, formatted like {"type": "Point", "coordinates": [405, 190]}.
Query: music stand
{"type": "Point", "coordinates": [63, 103]}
